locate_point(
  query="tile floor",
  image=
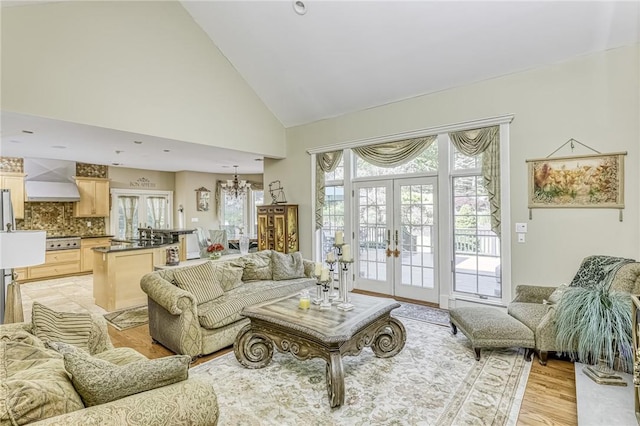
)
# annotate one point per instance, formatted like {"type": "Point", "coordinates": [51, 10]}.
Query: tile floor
{"type": "Point", "coordinates": [68, 294]}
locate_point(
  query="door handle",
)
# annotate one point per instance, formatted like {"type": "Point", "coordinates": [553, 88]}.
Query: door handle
{"type": "Point", "coordinates": [396, 252]}
{"type": "Point", "coordinates": [388, 252]}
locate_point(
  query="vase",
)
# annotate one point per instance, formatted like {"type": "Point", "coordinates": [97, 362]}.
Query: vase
{"type": "Point", "coordinates": [215, 255]}
{"type": "Point", "coordinates": [244, 244]}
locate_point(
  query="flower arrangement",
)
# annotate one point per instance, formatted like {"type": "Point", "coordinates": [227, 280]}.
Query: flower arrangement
{"type": "Point", "coordinates": [213, 248]}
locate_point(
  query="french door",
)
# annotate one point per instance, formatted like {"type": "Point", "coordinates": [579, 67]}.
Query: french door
{"type": "Point", "coordinates": [395, 232]}
{"type": "Point", "coordinates": [135, 209]}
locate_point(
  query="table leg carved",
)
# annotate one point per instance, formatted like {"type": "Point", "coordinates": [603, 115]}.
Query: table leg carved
{"type": "Point", "coordinates": [253, 347]}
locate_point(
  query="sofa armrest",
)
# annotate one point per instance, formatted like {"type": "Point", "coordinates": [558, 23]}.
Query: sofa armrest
{"type": "Point", "coordinates": [532, 293]}
{"type": "Point", "coordinates": [546, 331]}
{"type": "Point", "coordinates": [170, 297]}
{"type": "Point", "coordinates": [99, 340]}
{"type": "Point", "coordinates": [173, 315]}
{"type": "Point", "coordinates": [191, 402]}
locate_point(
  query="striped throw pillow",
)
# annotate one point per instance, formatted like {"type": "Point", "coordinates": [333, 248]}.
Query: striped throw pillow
{"type": "Point", "coordinates": [66, 327]}
{"type": "Point", "coordinates": [200, 281]}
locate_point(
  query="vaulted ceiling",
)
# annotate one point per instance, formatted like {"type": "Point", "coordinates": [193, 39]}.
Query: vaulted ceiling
{"type": "Point", "coordinates": [345, 56]}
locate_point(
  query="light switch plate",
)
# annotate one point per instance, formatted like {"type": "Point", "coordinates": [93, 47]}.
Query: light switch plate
{"type": "Point", "coordinates": [194, 219]}
{"type": "Point", "coordinates": [521, 228]}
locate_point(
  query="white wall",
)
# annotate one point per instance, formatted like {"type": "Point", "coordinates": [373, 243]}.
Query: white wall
{"type": "Point", "coordinates": [144, 67]}
{"type": "Point", "coordinates": [593, 99]}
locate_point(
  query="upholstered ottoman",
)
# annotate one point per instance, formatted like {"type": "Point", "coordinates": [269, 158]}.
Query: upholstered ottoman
{"type": "Point", "coordinates": [491, 328]}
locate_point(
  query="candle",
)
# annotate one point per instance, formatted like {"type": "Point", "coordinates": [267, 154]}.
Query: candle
{"type": "Point", "coordinates": [346, 252]}
{"type": "Point", "coordinates": [331, 257]}
{"type": "Point", "coordinates": [324, 276]}
{"type": "Point", "coordinates": [339, 237]}
{"type": "Point", "coordinates": [318, 269]}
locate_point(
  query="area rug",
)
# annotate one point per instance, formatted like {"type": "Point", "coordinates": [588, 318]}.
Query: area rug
{"type": "Point", "coordinates": [422, 313]}
{"type": "Point", "coordinates": [128, 318]}
{"type": "Point", "coordinates": [434, 380]}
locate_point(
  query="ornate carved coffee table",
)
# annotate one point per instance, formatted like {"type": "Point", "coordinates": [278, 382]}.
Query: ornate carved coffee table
{"type": "Point", "coordinates": [313, 333]}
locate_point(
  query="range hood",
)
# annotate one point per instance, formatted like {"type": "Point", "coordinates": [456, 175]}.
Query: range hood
{"type": "Point", "coordinates": [50, 180]}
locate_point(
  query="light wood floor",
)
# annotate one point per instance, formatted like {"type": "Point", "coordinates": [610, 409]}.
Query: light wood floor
{"type": "Point", "coordinates": [549, 399]}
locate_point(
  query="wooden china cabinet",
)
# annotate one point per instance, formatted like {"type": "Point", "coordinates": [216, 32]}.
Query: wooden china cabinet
{"type": "Point", "coordinates": [278, 227]}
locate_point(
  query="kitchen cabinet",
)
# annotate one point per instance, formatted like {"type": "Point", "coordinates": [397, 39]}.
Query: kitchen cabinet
{"type": "Point", "coordinates": [86, 249]}
{"type": "Point", "coordinates": [278, 228]}
{"type": "Point", "coordinates": [56, 263]}
{"type": "Point", "coordinates": [15, 183]}
{"type": "Point", "coordinates": [94, 197]}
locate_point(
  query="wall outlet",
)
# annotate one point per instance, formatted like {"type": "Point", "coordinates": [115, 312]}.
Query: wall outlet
{"type": "Point", "coordinates": [89, 224]}
{"type": "Point", "coordinates": [521, 238]}
{"type": "Point", "coordinates": [194, 219]}
{"type": "Point", "coordinates": [521, 228]}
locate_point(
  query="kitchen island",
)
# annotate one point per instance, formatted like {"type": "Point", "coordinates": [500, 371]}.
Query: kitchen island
{"type": "Point", "coordinates": [117, 271]}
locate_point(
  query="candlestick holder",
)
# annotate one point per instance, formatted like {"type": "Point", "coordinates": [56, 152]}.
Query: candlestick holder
{"type": "Point", "coordinates": [333, 294]}
{"type": "Point", "coordinates": [318, 298]}
{"type": "Point", "coordinates": [326, 303]}
{"type": "Point", "coordinates": [345, 298]}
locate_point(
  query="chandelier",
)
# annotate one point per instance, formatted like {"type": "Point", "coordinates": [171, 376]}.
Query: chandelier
{"type": "Point", "coordinates": [236, 188]}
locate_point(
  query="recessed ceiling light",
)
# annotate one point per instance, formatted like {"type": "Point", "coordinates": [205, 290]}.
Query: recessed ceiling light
{"type": "Point", "coordinates": [116, 164]}
{"type": "Point", "coordinates": [166, 150]}
{"type": "Point", "coordinates": [29, 132]}
{"type": "Point", "coordinates": [58, 146]}
{"type": "Point", "coordinates": [15, 141]}
{"type": "Point", "coordinates": [137, 142]}
{"type": "Point", "coordinates": [299, 7]}
{"type": "Point", "coordinates": [258, 159]}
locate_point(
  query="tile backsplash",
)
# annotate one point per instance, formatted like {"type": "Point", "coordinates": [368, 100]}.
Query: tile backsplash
{"type": "Point", "coordinates": [57, 219]}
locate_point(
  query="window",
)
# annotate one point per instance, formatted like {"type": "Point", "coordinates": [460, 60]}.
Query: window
{"type": "Point", "coordinates": [241, 213]}
{"type": "Point", "coordinates": [333, 210]}
{"type": "Point", "coordinates": [476, 247]}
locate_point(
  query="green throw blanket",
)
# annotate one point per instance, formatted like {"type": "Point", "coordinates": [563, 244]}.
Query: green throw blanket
{"type": "Point", "coordinates": [598, 271]}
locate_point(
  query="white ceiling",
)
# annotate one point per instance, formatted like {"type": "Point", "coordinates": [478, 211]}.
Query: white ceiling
{"type": "Point", "coordinates": [344, 56]}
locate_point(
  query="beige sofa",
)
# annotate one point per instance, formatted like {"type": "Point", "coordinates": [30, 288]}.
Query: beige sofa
{"type": "Point", "coordinates": [180, 322]}
{"type": "Point", "coordinates": [36, 389]}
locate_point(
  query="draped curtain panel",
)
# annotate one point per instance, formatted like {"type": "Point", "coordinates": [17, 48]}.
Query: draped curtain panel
{"type": "Point", "coordinates": [487, 141]}
{"type": "Point", "coordinates": [325, 163]}
{"type": "Point", "coordinates": [396, 153]}
{"type": "Point", "coordinates": [129, 206]}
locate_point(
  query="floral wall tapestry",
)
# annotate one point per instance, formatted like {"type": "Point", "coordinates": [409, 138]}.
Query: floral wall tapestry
{"type": "Point", "coordinates": [582, 181]}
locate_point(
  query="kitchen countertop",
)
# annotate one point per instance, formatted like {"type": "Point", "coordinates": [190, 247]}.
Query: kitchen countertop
{"type": "Point", "coordinates": [131, 246]}
{"type": "Point", "coordinates": [96, 236]}
{"type": "Point", "coordinates": [178, 231]}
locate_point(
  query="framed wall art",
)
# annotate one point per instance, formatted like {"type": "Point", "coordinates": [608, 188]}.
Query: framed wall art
{"type": "Point", "coordinates": [203, 199]}
{"type": "Point", "coordinates": [591, 181]}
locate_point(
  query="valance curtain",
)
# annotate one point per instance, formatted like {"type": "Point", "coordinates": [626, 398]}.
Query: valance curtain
{"type": "Point", "coordinates": [484, 141]}
{"type": "Point", "coordinates": [393, 154]}
{"type": "Point", "coordinates": [325, 163]}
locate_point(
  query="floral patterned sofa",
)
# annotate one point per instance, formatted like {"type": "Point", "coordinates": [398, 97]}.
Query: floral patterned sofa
{"type": "Point", "coordinates": [38, 389]}
{"type": "Point", "coordinates": [196, 310]}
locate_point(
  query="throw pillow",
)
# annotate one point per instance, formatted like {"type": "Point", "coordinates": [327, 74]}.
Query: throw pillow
{"type": "Point", "coordinates": [557, 294]}
{"type": "Point", "coordinates": [200, 281]}
{"type": "Point", "coordinates": [287, 266]}
{"type": "Point", "coordinates": [228, 275]}
{"type": "Point", "coordinates": [257, 266]}
{"type": "Point", "coordinates": [34, 383]}
{"type": "Point", "coordinates": [72, 328]}
{"type": "Point", "coordinates": [98, 381]}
